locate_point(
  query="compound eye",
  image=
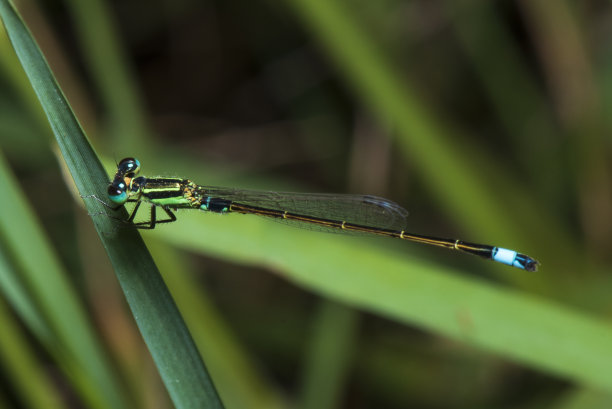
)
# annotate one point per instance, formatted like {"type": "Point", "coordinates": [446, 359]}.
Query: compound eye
{"type": "Point", "coordinates": [129, 166]}
{"type": "Point", "coordinates": [117, 195]}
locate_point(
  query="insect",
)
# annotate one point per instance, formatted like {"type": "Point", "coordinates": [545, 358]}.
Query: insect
{"type": "Point", "coordinates": [325, 212]}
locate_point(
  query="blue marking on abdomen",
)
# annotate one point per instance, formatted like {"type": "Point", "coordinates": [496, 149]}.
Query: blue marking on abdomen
{"type": "Point", "coordinates": [216, 205]}
{"type": "Point", "coordinates": [506, 256]}
{"type": "Point", "coordinates": [204, 206]}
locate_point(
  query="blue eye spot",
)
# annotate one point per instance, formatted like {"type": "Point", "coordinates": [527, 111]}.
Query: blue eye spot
{"type": "Point", "coordinates": [119, 199]}
{"type": "Point", "coordinates": [116, 195]}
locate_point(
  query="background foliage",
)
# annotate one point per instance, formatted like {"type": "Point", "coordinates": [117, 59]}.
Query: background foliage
{"type": "Point", "coordinates": [488, 121]}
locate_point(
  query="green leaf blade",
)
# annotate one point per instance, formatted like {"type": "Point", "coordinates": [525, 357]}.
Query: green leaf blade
{"type": "Point", "coordinates": [156, 315]}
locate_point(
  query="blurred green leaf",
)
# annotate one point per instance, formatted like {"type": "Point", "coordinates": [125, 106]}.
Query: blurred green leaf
{"type": "Point", "coordinates": [327, 364]}
{"type": "Point", "coordinates": [240, 382]}
{"type": "Point", "coordinates": [40, 291]}
{"type": "Point", "coordinates": [537, 332]}
{"type": "Point", "coordinates": [27, 375]}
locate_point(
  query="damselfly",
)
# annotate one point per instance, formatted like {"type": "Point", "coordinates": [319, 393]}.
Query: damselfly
{"type": "Point", "coordinates": [326, 212]}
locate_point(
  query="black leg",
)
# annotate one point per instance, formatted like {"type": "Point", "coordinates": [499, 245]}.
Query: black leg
{"type": "Point", "coordinates": [133, 214]}
{"type": "Point", "coordinates": [150, 224]}
{"type": "Point", "coordinates": [172, 217]}
{"type": "Point", "coordinates": [153, 220]}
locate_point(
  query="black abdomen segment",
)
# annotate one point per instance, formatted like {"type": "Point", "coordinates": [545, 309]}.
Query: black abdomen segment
{"type": "Point", "coordinates": [215, 204]}
{"type": "Point", "coordinates": [498, 254]}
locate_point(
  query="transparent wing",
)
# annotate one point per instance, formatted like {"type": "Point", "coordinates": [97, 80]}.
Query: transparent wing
{"type": "Point", "coordinates": [365, 210]}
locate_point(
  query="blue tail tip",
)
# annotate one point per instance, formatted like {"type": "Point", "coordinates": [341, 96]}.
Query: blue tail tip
{"type": "Point", "coordinates": [512, 258]}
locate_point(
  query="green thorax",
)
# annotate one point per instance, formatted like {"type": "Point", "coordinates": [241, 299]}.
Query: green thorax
{"type": "Point", "coordinates": [170, 192]}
